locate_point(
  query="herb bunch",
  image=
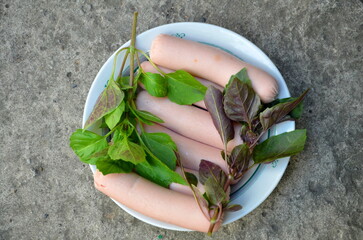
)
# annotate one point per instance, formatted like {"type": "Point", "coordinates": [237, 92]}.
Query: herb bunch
{"type": "Point", "coordinates": [239, 103]}
{"type": "Point", "coordinates": [127, 147]}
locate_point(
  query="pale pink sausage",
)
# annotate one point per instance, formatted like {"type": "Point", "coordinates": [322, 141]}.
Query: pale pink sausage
{"type": "Point", "coordinates": [210, 63]}
{"type": "Point", "coordinates": [188, 121]}
{"type": "Point", "coordinates": [190, 151]}
{"type": "Point", "coordinates": [152, 200]}
{"type": "Point", "coordinates": [148, 67]}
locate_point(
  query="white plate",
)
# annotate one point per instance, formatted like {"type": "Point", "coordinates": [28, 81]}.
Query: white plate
{"type": "Point", "coordinates": [258, 184]}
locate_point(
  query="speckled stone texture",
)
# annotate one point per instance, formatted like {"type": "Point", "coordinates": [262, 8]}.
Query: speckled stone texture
{"type": "Point", "coordinates": [50, 52]}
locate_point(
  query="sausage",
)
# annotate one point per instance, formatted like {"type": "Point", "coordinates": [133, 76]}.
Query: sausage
{"type": "Point", "coordinates": [190, 151]}
{"type": "Point", "coordinates": [188, 121]}
{"type": "Point", "coordinates": [148, 67]}
{"type": "Point", "coordinates": [152, 200]}
{"type": "Point", "coordinates": [210, 63]}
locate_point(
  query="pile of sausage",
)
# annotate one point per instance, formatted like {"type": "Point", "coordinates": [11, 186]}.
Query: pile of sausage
{"type": "Point", "coordinates": [190, 127]}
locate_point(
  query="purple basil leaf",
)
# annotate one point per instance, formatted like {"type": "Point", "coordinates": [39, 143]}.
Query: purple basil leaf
{"type": "Point", "coordinates": [208, 169]}
{"type": "Point", "coordinates": [247, 135]}
{"type": "Point", "coordinates": [202, 202]}
{"type": "Point", "coordinates": [214, 102]}
{"type": "Point", "coordinates": [232, 208]}
{"type": "Point", "coordinates": [214, 191]}
{"type": "Point", "coordinates": [241, 103]}
{"type": "Point", "coordinates": [240, 157]}
{"type": "Point", "coordinates": [295, 113]}
{"type": "Point", "coordinates": [275, 114]}
{"type": "Point", "coordinates": [109, 100]}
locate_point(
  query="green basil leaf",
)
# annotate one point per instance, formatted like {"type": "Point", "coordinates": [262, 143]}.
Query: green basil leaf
{"type": "Point", "coordinates": [162, 146]}
{"type": "Point", "coordinates": [108, 166]}
{"type": "Point", "coordinates": [124, 82]}
{"type": "Point", "coordinates": [155, 84]}
{"type": "Point", "coordinates": [109, 99]}
{"type": "Point", "coordinates": [147, 117]}
{"type": "Point", "coordinates": [114, 117]}
{"type": "Point", "coordinates": [127, 151]}
{"type": "Point", "coordinates": [183, 88]}
{"type": "Point", "coordinates": [164, 139]}
{"type": "Point", "coordinates": [239, 158]}
{"type": "Point", "coordinates": [86, 144]}
{"type": "Point", "coordinates": [191, 178]}
{"type": "Point", "coordinates": [273, 115]}
{"type": "Point", "coordinates": [214, 191]}
{"type": "Point", "coordinates": [98, 156]}
{"type": "Point", "coordinates": [157, 172]}
{"type": "Point", "coordinates": [282, 145]}
{"type": "Point", "coordinates": [214, 102]}
{"type": "Point", "coordinates": [241, 103]}
{"type": "Point", "coordinates": [126, 129]}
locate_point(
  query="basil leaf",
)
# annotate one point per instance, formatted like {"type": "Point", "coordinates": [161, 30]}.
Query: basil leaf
{"type": "Point", "coordinates": [208, 170]}
{"type": "Point", "coordinates": [126, 129]}
{"type": "Point", "coordinates": [111, 166]}
{"type": "Point", "coordinates": [239, 158]}
{"type": "Point", "coordinates": [157, 172]}
{"type": "Point", "coordinates": [202, 202]}
{"type": "Point", "coordinates": [214, 191]}
{"type": "Point", "coordinates": [108, 100]}
{"type": "Point", "coordinates": [241, 103]}
{"type": "Point", "coordinates": [282, 145]}
{"type": "Point", "coordinates": [86, 143]}
{"type": "Point", "coordinates": [273, 115]}
{"type": "Point", "coordinates": [296, 112]}
{"type": "Point", "coordinates": [147, 117]}
{"type": "Point", "coordinates": [124, 82]}
{"type": "Point", "coordinates": [232, 208]}
{"type": "Point", "coordinates": [164, 139]}
{"type": "Point", "coordinates": [127, 151]}
{"type": "Point", "coordinates": [155, 84]}
{"type": "Point", "coordinates": [191, 178]}
{"type": "Point", "coordinates": [247, 135]}
{"type": "Point", "coordinates": [98, 156]}
{"type": "Point", "coordinates": [114, 117]}
{"type": "Point", "coordinates": [183, 88]}
{"type": "Point", "coordinates": [162, 146]}
{"type": "Point", "coordinates": [214, 102]}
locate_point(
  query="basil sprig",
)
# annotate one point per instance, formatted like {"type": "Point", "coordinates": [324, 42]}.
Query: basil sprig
{"type": "Point", "coordinates": [127, 147]}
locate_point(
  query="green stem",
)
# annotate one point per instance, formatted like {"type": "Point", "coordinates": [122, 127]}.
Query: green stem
{"type": "Point", "coordinates": [115, 61]}
{"type": "Point", "coordinates": [213, 222]}
{"type": "Point", "coordinates": [139, 63]}
{"type": "Point", "coordinates": [111, 131]}
{"type": "Point", "coordinates": [123, 64]}
{"type": "Point", "coordinates": [148, 58]}
{"type": "Point", "coordinates": [132, 48]}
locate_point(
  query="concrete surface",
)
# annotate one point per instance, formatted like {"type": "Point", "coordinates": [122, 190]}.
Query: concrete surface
{"type": "Point", "coordinates": [50, 52]}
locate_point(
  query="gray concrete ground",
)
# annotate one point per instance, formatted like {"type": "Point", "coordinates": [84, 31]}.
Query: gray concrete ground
{"type": "Point", "coordinates": [50, 52]}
